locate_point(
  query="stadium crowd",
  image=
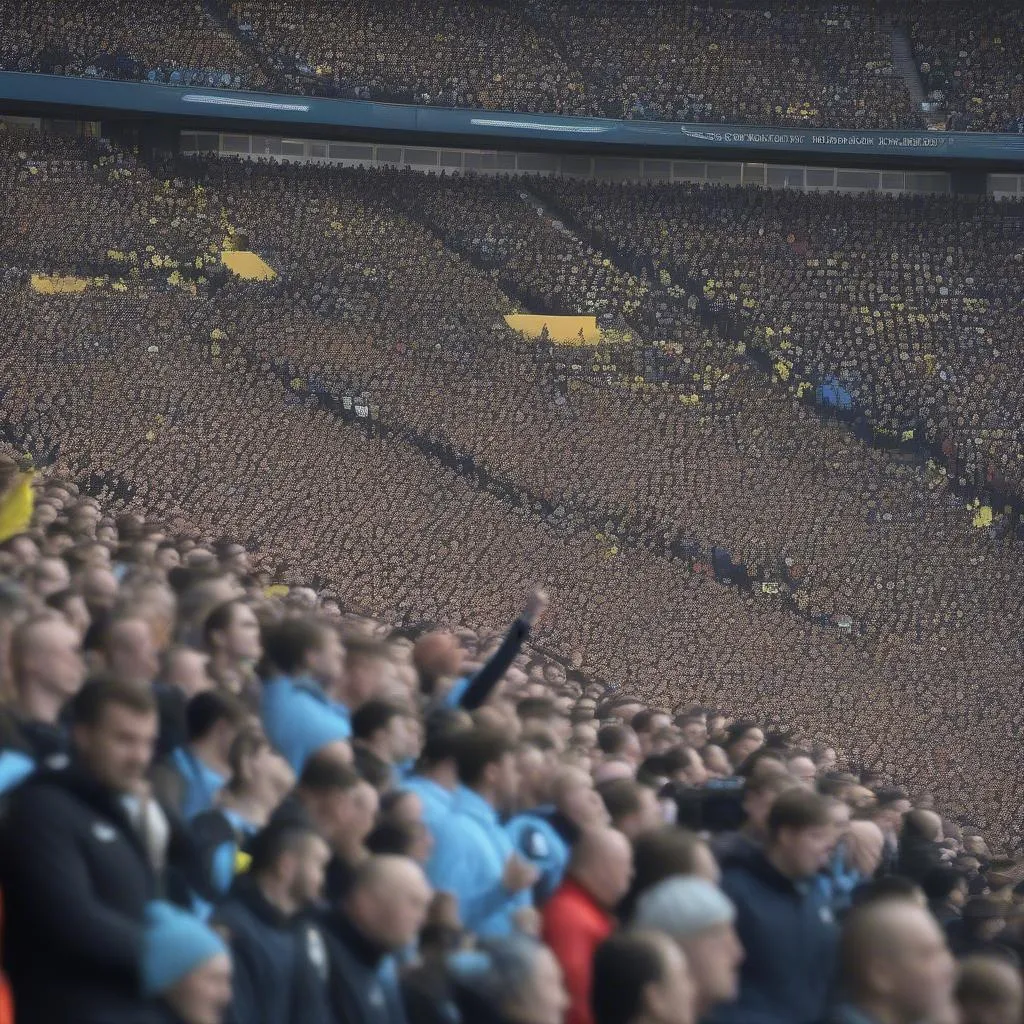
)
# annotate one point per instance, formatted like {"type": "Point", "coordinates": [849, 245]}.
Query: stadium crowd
{"type": "Point", "coordinates": [229, 800]}
{"type": "Point", "coordinates": [265, 508]}
{"type": "Point", "coordinates": [831, 63]}
{"type": "Point", "coordinates": [862, 569]}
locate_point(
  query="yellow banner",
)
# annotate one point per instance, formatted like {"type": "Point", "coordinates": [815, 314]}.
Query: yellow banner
{"type": "Point", "coordinates": [562, 330]}
{"type": "Point", "coordinates": [247, 265]}
{"type": "Point", "coordinates": [47, 284]}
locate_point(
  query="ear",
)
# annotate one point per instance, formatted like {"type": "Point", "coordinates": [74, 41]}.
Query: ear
{"type": "Point", "coordinates": [654, 1002]}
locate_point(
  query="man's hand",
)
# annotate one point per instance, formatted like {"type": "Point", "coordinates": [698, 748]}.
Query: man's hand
{"type": "Point", "coordinates": [519, 874]}
{"type": "Point", "coordinates": [527, 921]}
{"type": "Point", "coordinates": [536, 605]}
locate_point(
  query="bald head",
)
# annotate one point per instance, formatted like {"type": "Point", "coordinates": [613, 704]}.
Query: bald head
{"type": "Point", "coordinates": [602, 862]}
{"type": "Point", "coordinates": [46, 658]}
{"type": "Point", "coordinates": [894, 955]}
{"type": "Point", "coordinates": [130, 652]}
{"type": "Point", "coordinates": [389, 899]}
{"type": "Point", "coordinates": [437, 655]}
{"type": "Point", "coordinates": [989, 990]}
{"type": "Point", "coordinates": [864, 843]}
{"type": "Point", "coordinates": [99, 588]}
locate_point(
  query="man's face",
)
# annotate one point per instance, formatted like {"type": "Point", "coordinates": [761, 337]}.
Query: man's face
{"type": "Point", "coordinates": [581, 803]}
{"type": "Point", "coordinates": [242, 637]}
{"type": "Point", "coordinates": [695, 734]}
{"type": "Point", "coordinates": [808, 849]}
{"type": "Point", "coordinates": [803, 770]}
{"type": "Point", "coordinates": [204, 994]}
{"type": "Point", "coordinates": [51, 576]}
{"type": "Point", "coordinates": [715, 955]}
{"type": "Point", "coordinates": [672, 1000]}
{"type": "Point", "coordinates": [308, 882]}
{"type": "Point", "coordinates": [54, 658]}
{"type": "Point", "coordinates": [132, 655]}
{"type": "Point", "coordinates": [506, 782]}
{"type": "Point", "coordinates": [326, 662]}
{"type": "Point", "coordinates": [923, 972]}
{"type": "Point", "coordinates": [118, 749]}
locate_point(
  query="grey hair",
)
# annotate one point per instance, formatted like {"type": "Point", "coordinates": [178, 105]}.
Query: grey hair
{"type": "Point", "coordinates": [499, 971]}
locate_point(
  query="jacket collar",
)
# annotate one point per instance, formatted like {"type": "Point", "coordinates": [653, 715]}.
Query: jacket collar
{"type": "Point", "coordinates": [369, 953]}
{"type": "Point", "coordinates": [248, 893]}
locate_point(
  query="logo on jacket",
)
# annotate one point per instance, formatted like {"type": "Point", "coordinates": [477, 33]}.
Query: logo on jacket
{"type": "Point", "coordinates": [317, 952]}
{"type": "Point", "coordinates": [825, 913]}
{"type": "Point", "coordinates": [537, 844]}
{"type": "Point", "coordinates": [104, 833]}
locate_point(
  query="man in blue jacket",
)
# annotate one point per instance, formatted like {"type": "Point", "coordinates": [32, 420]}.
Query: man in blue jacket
{"type": "Point", "coordinates": [784, 921]}
{"type": "Point", "coordinates": [473, 857]}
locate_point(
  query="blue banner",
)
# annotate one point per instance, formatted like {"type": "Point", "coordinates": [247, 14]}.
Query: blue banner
{"type": "Point", "coordinates": [212, 109]}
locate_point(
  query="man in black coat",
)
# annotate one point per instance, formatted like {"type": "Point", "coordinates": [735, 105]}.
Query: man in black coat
{"type": "Point", "coordinates": [279, 955]}
{"type": "Point", "coordinates": [74, 871]}
{"type": "Point", "coordinates": [382, 914]}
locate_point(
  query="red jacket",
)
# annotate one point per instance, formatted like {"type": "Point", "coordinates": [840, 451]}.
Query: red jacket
{"type": "Point", "coordinates": [574, 925]}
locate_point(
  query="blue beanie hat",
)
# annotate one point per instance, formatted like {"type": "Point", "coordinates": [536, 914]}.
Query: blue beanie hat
{"type": "Point", "coordinates": [174, 943]}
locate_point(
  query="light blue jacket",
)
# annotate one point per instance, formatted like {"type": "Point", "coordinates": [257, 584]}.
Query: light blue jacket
{"type": "Point", "coordinates": [472, 849]}
{"type": "Point", "coordinates": [299, 719]}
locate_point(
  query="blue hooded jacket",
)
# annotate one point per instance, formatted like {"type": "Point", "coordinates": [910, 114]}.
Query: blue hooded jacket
{"type": "Point", "coordinates": [789, 934]}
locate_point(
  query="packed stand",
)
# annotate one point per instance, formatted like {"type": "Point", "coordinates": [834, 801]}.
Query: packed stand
{"type": "Point", "coordinates": [227, 800]}
{"type": "Point", "coordinates": [545, 473]}
{"type": "Point", "coordinates": [907, 305]}
{"type": "Point", "coordinates": [830, 64]}
{"type": "Point", "coordinates": [99, 39]}
{"type": "Point", "coordinates": [970, 60]}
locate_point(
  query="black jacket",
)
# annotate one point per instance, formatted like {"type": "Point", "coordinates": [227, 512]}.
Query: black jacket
{"type": "Point", "coordinates": [280, 963]}
{"type": "Point", "coordinates": [364, 977]}
{"type": "Point", "coordinates": [76, 882]}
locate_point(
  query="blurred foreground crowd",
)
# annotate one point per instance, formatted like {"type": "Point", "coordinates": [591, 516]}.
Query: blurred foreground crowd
{"type": "Point", "coordinates": [226, 800]}
{"type": "Point", "coordinates": [830, 64]}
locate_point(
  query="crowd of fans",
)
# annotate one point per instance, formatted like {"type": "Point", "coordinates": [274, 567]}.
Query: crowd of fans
{"type": "Point", "coordinates": [829, 64]}
{"type": "Point", "coordinates": [370, 414]}
{"type": "Point", "coordinates": [970, 63]}
{"type": "Point", "coordinates": [230, 800]}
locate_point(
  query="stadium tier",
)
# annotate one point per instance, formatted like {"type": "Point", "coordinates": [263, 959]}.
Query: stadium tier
{"type": "Point", "coordinates": [896, 65]}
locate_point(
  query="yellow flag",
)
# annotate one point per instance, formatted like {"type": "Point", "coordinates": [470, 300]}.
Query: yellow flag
{"type": "Point", "coordinates": [16, 507]}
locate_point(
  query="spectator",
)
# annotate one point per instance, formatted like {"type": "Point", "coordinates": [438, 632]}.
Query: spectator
{"type": "Point", "coordinates": [578, 917]}
{"type": "Point", "coordinates": [128, 652]}
{"type": "Point", "coordinates": [186, 965]}
{"type": "Point", "coordinates": [946, 891]}
{"type": "Point", "coordinates": [299, 719]}
{"type": "Point", "coordinates": [48, 671]}
{"type": "Point", "coordinates": [381, 915]}
{"type": "Point", "coordinates": [667, 852]}
{"type": "Point", "coordinates": [76, 879]}
{"type": "Point", "coordinates": [193, 775]}
{"type": "Point", "coordinates": [989, 990]}
{"type": "Point", "coordinates": [700, 919]}
{"type": "Point", "coordinates": [632, 807]}
{"type": "Point", "coordinates": [546, 836]}
{"type": "Point", "coordinates": [641, 978]}
{"type": "Point", "coordinates": [786, 929]}
{"type": "Point", "coordinates": [894, 964]}
{"type": "Point", "coordinates": [473, 856]}
{"type": "Point", "coordinates": [231, 635]}
{"type": "Point", "coordinates": [512, 980]}
{"type": "Point", "coordinates": [280, 964]}
{"type": "Point", "coordinates": [379, 742]}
